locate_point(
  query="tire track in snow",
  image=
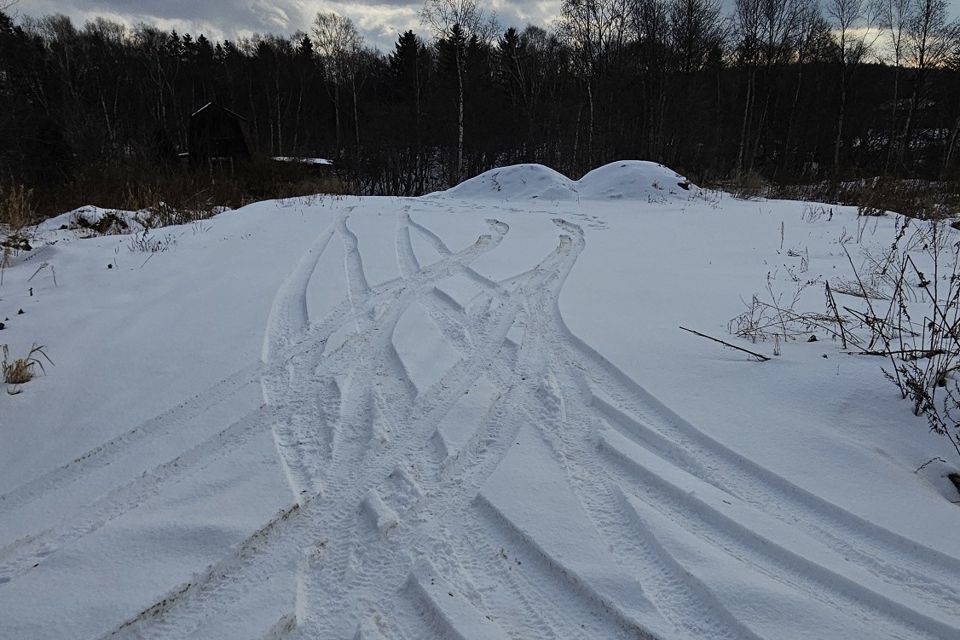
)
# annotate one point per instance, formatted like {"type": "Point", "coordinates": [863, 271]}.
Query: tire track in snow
{"type": "Point", "coordinates": [919, 571]}
{"type": "Point", "coordinates": [392, 570]}
{"type": "Point", "coordinates": [355, 571]}
{"type": "Point", "coordinates": [398, 573]}
{"type": "Point", "coordinates": [349, 474]}
{"type": "Point", "coordinates": [687, 604]}
{"type": "Point", "coordinates": [107, 453]}
{"type": "Point", "coordinates": [906, 620]}
{"type": "Point", "coordinates": [572, 361]}
{"type": "Point", "coordinates": [769, 557]}
{"type": "Point", "coordinates": [304, 472]}
{"type": "Point", "coordinates": [546, 602]}
{"type": "Point", "coordinates": [28, 553]}
{"type": "Point", "coordinates": [270, 549]}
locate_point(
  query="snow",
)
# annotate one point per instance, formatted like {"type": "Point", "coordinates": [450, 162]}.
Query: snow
{"type": "Point", "coordinates": [635, 180]}
{"type": "Point", "coordinates": [638, 180]}
{"type": "Point", "coordinates": [468, 415]}
{"type": "Point", "coordinates": [314, 161]}
{"type": "Point", "coordinates": [517, 183]}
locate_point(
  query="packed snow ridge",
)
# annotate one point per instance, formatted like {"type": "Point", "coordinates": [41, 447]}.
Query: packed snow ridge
{"type": "Point", "coordinates": [462, 416]}
{"type": "Point", "coordinates": [627, 180]}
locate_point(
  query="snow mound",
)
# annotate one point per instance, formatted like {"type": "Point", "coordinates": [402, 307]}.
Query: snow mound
{"type": "Point", "coordinates": [92, 221]}
{"type": "Point", "coordinates": [635, 180]}
{"type": "Point", "coordinates": [623, 180]}
{"type": "Point", "coordinates": [517, 182]}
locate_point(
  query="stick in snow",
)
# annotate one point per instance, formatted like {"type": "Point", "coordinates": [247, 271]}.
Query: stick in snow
{"type": "Point", "coordinates": [761, 357]}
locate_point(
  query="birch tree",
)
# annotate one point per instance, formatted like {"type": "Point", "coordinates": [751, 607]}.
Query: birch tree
{"type": "Point", "coordinates": [458, 20]}
{"type": "Point", "coordinates": [340, 47]}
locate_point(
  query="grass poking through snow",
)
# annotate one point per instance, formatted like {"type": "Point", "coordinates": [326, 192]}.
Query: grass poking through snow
{"type": "Point", "coordinates": [22, 370]}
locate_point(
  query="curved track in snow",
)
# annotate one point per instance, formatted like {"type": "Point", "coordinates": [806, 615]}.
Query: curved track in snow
{"type": "Point", "coordinates": [530, 489]}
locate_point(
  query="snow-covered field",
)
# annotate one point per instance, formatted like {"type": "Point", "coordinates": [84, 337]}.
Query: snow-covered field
{"type": "Point", "coordinates": [468, 415]}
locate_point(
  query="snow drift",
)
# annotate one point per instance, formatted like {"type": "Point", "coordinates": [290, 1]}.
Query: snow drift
{"type": "Point", "coordinates": [622, 180]}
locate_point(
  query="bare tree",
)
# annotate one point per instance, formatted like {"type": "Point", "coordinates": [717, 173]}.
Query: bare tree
{"type": "Point", "coordinates": [852, 22]}
{"type": "Point", "coordinates": [929, 37]}
{"type": "Point", "coordinates": [340, 46]}
{"type": "Point", "coordinates": [779, 20]}
{"type": "Point", "coordinates": [893, 17]}
{"type": "Point", "coordinates": [812, 38]}
{"type": "Point", "coordinates": [748, 25]}
{"type": "Point", "coordinates": [649, 23]}
{"type": "Point", "coordinates": [594, 29]}
{"type": "Point", "coordinates": [695, 28]}
{"type": "Point", "coordinates": [464, 19]}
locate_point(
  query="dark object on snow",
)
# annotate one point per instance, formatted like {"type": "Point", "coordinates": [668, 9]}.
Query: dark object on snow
{"type": "Point", "coordinates": [20, 313]}
{"type": "Point", "coordinates": [2, 326]}
{"type": "Point", "coordinates": [955, 479]}
{"type": "Point", "coordinates": [812, 339]}
{"type": "Point", "coordinates": [758, 356]}
{"type": "Point", "coordinates": [218, 135]}
{"type": "Point", "coordinates": [17, 243]}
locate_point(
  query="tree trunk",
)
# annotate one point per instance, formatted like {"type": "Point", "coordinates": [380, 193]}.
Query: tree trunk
{"type": "Point", "coordinates": [336, 116]}
{"type": "Point", "coordinates": [459, 167]}
{"type": "Point", "coordinates": [790, 119]}
{"type": "Point", "coordinates": [296, 120]}
{"type": "Point", "coordinates": [952, 146]}
{"type": "Point", "coordinates": [590, 125]}
{"type": "Point", "coordinates": [356, 120]}
{"type": "Point", "coordinates": [840, 118]}
{"type": "Point", "coordinates": [911, 114]}
{"type": "Point", "coordinates": [745, 127]}
{"type": "Point", "coordinates": [891, 143]}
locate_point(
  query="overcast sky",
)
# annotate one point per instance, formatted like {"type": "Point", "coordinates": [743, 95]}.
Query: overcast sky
{"type": "Point", "coordinates": [380, 21]}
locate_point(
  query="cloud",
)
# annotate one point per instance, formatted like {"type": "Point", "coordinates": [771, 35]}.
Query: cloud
{"type": "Point", "coordinates": [380, 21]}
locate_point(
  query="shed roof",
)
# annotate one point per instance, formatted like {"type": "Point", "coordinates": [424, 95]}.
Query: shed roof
{"type": "Point", "coordinates": [216, 106]}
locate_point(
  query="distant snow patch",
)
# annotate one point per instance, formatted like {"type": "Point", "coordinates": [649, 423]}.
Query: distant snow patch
{"type": "Point", "coordinates": [317, 161]}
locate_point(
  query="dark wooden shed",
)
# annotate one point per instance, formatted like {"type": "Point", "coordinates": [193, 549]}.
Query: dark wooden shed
{"type": "Point", "coordinates": [217, 134]}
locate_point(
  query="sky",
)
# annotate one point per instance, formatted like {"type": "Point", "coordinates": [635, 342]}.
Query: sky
{"type": "Point", "coordinates": [380, 21]}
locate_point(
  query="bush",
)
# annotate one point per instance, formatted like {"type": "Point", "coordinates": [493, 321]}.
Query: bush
{"type": "Point", "coordinates": [22, 370]}
{"type": "Point", "coordinates": [175, 194]}
{"type": "Point", "coordinates": [902, 314]}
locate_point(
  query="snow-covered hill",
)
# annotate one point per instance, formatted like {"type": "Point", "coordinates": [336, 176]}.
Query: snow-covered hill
{"type": "Point", "coordinates": [469, 415]}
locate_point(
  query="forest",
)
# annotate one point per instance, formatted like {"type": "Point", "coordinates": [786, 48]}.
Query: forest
{"type": "Point", "coordinates": [782, 92]}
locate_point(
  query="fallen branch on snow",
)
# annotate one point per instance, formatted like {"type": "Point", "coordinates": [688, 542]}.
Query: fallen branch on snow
{"type": "Point", "coordinates": [759, 356]}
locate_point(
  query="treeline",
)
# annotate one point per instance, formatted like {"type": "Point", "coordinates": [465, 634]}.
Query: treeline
{"type": "Point", "coordinates": [789, 91]}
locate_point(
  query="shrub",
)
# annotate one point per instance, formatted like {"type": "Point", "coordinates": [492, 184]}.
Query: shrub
{"type": "Point", "coordinates": [22, 370]}
{"type": "Point", "coordinates": [16, 207]}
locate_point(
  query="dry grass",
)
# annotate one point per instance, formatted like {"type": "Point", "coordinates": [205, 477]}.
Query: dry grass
{"type": "Point", "coordinates": [170, 195]}
{"type": "Point", "coordinates": [16, 212]}
{"type": "Point", "coordinates": [22, 370]}
{"type": "Point", "coordinates": [922, 199]}
{"type": "Point", "coordinates": [16, 206]}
